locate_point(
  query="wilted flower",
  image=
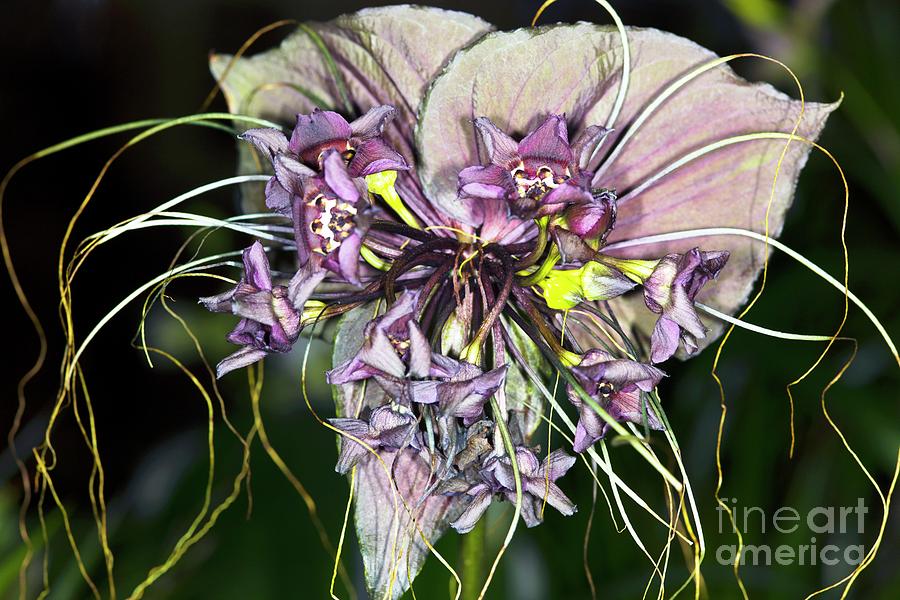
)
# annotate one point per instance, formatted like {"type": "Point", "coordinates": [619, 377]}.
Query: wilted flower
{"type": "Point", "coordinates": [387, 427]}
{"type": "Point", "coordinates": [538, 486]}
{"type": "Point", "coordinates": [616, 383]}
{"type": "Point", "coordinates": [670, 291]}
{"type": "Point", "coordinates": [269, 320]}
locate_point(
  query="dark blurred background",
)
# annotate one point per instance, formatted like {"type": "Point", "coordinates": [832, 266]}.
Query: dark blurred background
{"type": "Point", "coordinates": [71, 66]}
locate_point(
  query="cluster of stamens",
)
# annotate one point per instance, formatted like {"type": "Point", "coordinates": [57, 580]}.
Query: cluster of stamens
{"type": "Point", "coordinates": [334, 224]}
{"type": "Point", "coordinates": [536, 187]}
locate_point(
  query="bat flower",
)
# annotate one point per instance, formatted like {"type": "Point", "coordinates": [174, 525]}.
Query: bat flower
{"type": "Point", "coordinates": [387, 427]}
{"type": "Point", "coordinates": [270, 314]}
{"type": "Point", "coordinates": [538, 484]}
{"type": "Point", "coordinates": [537, 176]}
{"type": "Point", "coordinates": [538, 198]}
{"type": "Point", "coordinates": [670, 291]}
{"type": "Point", "coordinates": [616, 384]}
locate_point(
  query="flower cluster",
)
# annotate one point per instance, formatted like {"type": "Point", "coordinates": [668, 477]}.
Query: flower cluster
{"type": "Point", "coordinates": [477, 276]}
{"type": "Point", "coordinates": [465, 247]}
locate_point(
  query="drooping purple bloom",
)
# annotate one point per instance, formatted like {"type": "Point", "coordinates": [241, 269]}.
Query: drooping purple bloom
{"type": "Point", "coordinates": [616, 384]}
{"type": "Point", "coordinates": [387, 427]}
{"type": "Point", "coordinates": [539, 175]}
{"type": "Point", "coordinates": [394, 345]}
{"type": "Point", "coordinates": [270, 314]}
{"type": "Point", "coordinates": [456, 388]}
{"type": "Point", "coordinates": [399, 357]}
{"type": "Point", "coordinates": [670, 291]}
{"type": "Point", "coordinates": [593, 219]}
{"type": "Point", "coordinates": [538, 484]}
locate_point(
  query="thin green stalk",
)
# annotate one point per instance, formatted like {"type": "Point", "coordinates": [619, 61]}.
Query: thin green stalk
{"type": "Point", "coordinates": [472, 571]}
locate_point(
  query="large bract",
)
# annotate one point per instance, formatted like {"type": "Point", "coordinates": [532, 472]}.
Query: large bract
{"type": "Point", "coordinates": [456, 194]}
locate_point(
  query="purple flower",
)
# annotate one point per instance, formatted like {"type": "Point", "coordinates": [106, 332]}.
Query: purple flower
{"type": "Point", "coordinates": [399, 357]}
{"type": "Point", "coordinates": [330, 212]}
{"type": "Point", "coordinates": [670, 291]}
{"type": "Point", "coordinates": [616, 384]}
{"type": "Point", "coordinates": [393, 345]}
{"type": "Point", "coordinates": [537, 176]}
{"type": "Point", "coordinates": [538, 483]}
{"type": "Point", "coordinates": [270, 314]}
{"type": "Point", "coordinates": [457, 388]}
{"type": "Point", "coordinates": [317, 180]}
{"type": "Point", "coordinates": [387, 428]}
{"type": "Point", "coordinates": [359, 143]}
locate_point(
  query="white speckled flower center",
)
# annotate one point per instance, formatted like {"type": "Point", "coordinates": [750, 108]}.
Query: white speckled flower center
{"type": "Point", "coordinates": [334, 224]}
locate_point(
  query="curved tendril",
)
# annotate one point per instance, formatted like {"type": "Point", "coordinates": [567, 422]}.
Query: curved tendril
{"type": "Point", "coordinates": [648, 111]}
{"type": "Point", "coordinates": [713, 231]}
{"type": "Point", "coordinates": [38, 363]}
{"type": "Point", "coordinates": [626, 56]}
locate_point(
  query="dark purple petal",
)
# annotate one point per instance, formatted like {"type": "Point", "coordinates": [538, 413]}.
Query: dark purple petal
{"type": "Point", "coordinates": [317, 132]}
{"type": "Point", "coordinates": [374, 156]}
{"type": "Point", "coordinates": [348, 258]}
{"type": "Point", "coordinates": [547, 145]}
{"type": "Point", "coordinates": [491, 182]}
{"type": "Point", "coordinates": [256, 267]}
{"type": "Point", "coordinates": [562, 195]}
{"type": "Point", "coordinates": [338, 179]}
{"type": "Point", "coordinates": [594, 218]}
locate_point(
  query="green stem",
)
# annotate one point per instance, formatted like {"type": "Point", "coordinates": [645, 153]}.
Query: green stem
{"type": "Point", "coordinates": [543, 270]}
{"type": "Point", "coordinates": [540, 246]}
{"type": "Point", "coordinates": [472, 572]}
